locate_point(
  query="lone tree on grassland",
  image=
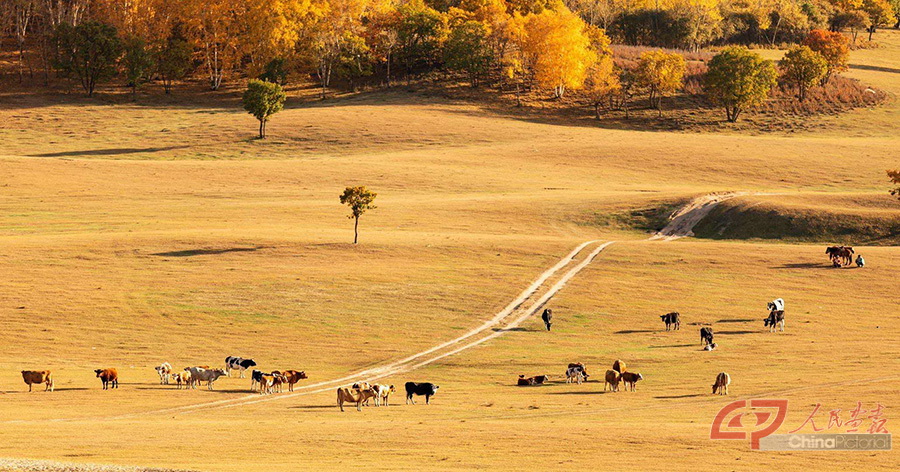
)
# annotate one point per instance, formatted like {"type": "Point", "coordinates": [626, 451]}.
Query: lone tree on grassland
{"type": "Point", "coordinates": [738, 79]}
{"type": "Point", "coordinates": [895, 179]}
{"type": "Point", "coordinates": [262, 100]}
{"type": "Point", "coordinates": [359, 199]}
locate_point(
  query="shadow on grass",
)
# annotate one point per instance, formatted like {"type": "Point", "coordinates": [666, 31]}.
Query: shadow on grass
{"type": "Point", "coordinates": [107, 152]}
{"type": "Point", "coordinates": [206, 252]}
{"type": "Point", "coordinates": [512, 329]}
{"type": "Point", "coordinates": [669, 346]}
{"type": "Point", "coordinates": [804, 265]}
{"type": "Point", "coordinates": [736, 332]}
{"type": "Point", "coordinates": [635, 331]}
{"type": "Point", "coordinates": [593, 392]}
{"type": "Point", "coordinates": [670, 397]}
{"type": "Point", "coordinates": [736, 321]}
{"type": "Point", "coordinates": [319, 407]}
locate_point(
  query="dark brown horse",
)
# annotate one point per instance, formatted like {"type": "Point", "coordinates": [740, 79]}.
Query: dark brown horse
{"type": "Point", "coordinates": [840, 255]}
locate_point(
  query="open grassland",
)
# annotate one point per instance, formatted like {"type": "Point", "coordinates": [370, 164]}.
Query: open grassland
{"type": "Point", "coordinates": [133, 234]}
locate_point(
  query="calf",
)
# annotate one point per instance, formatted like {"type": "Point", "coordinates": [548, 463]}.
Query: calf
{"type": "Point", "coordinates": [576, 373]}
{"type": "Point", "coordinates": [723, 380]}
{"type": "Point", "coordinates": [38, 377]}
{"type": "Point", "coordinates": [109, 377]}
{"type": "Point", "coordinates": [612, 379]}
{"type": "Point", "coordinates": [353, 395]}
{"type": "Point", "coordinates": [631, 378]}
{"type": "Point", "coordinates": [182, 379]}
{"type": "Point", "coordinates": [415, 388]}
{"type": "Point", "coordinates": [382, 392]}
{"type": "Point", "coordinates": [706, 336]}
{"type": "Point", "coordinates": [164, 370]}
{"type": "Point", "coordinates": [239, 364]}
{"type": "Point", "coordinates": [672, 320]}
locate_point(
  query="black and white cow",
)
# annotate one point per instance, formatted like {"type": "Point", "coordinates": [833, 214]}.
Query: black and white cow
{"type": "Point", "coordinates": [415, 388]}
{"type": "Point", "coordinates": [239, 364]}
{"type": "Point", "coordinates": [547, 316]}
{"type": "Point", "coordinates": [706, 335]}
{"type": "Point", "coordinates": [672, 320]}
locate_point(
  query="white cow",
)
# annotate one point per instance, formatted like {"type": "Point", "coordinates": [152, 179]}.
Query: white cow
{"type": "Point", "coordinates": [199, 374]}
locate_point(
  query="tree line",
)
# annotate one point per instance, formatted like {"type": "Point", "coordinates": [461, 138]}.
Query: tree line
{"type": "Point", "coordinates": [517, 44]}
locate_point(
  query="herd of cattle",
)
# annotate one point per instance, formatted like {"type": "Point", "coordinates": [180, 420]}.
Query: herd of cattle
{"type": "Point", "coordinates": [362, 392]}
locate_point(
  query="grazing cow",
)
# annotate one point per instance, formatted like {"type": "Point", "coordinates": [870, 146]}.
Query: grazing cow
{"type": "Point", "coordinates": [199, 374]}
{"type": "Point", "coordinates": [415, 388]}
{"type": "Point", "coordinates": [164, 370]}
{"type": "Point", "coordinates": [270, 383]}
{"type": "Point", "coordinates": [382, 392]}
{"type": "Point", "coordinates": [239, 364]}
{"type": "Point", "coordinates": [631, 378]}
{"type": "Point", "coordinates": [576, 373]}
{"type": "Point", "coordinates": [353, 395]}
{"type": "Point", "coordinates": [706, 335]}
{"type": "Point", "coordinates": [775, 319]}
{"type": "Point", "coordinates": [619, 366]}
{"type": "Point", "coordinates": [723, 380]}
{"type": "Point", "coordinates": [38, 377]}
{"type": "Point", "coordinates": [536, 380]}
{"type": "Point", "coordinates": [291, 377]}
{"type": "Point", "coordinates": [672, 320]}
{"type": "Point", "coordinates": [612, 379]}
{"type": "Point", "coordinates": [109, 377]}
{"type": "Point", "coordinates": [547, 316]}
{"type": "Point", "coordinates": [776, 305]}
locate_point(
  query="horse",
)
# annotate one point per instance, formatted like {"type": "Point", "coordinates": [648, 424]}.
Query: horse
{"type": "Point", "coordinates": [840, 255]}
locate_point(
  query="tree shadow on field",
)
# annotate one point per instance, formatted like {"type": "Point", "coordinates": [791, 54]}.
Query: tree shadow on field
{"type": "Point", "coordinates": [671, 397]}
{"type": "Point", "coordinates": [206, 252]}
{"type": "Point", "coordinates": [804, 265]}
{"type": "Point", "coordinates": [875, 68]}
{"type": "Point", "coordinates": [108, 152]}
{"type": "Point", "coordinates": [636, 331]}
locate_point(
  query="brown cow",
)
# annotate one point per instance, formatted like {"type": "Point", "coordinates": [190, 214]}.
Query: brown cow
{"type": "Point", "coordinates": [292, 376]}
{"type": "Point", "coordinates": [631, 378]}
{"type": "Point", "coordinates": [619, 366]}
{"type": "Point", "coordinates": [109, 377]}
{"type": "Point", "coordinates": [38, 377]}
{"type": "Point", "coordinates": [353, 395]}
{"type": "Point", "coordinates": [612, 379]}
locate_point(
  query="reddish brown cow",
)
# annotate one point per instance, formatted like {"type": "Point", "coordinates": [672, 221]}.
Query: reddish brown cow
{"type": "Point", "coordinates": [38, 377]}
{"type": "Point", "coordinates": [292, 376]}
{"type": "Point", "coordinates": [109, 377]}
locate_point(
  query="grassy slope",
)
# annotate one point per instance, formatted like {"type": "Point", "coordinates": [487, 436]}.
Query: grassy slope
{"type": "Point", "coordinates": [100, 203]}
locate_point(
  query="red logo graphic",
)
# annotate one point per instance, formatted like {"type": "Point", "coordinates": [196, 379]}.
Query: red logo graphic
{"type": "Point", "coordinates": [763, 426]}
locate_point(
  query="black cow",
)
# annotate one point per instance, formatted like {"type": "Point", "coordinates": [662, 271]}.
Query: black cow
{"type": "Point", "coordinates": [547, 316]}
{"type": "Point", "coordinates": [706, 335]}
{"type": "Point", "coordinates": [671, 319]}
{"type": "Point", "coordinates": [415, 388]}
{"type": "Point", "coordinates": [774, 320]}
{"type": "Point", "coordinates": [257, 378]}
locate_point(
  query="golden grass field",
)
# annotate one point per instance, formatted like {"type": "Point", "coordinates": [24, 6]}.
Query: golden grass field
{"type": "Point", "coordinates": [132, 234]}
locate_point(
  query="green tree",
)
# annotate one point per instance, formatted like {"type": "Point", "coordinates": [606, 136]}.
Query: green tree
{"type": "Point", "coordinates": [660, 73]}
{"type": "Point", "coordinates": [803, 68]}
{"type": "Point", "coordinates": [737, 79]}
{"type": "Point", "coordinates": [137, 62]}
{"type": "Point", "coordinates": [359, 199]}
{"type": "Point", "coordinates": [275, 71]}
{"type": "Point", "coordinates": [420, 30]}
{"type": "Point", "coordinates": [468, 50]}
{"type": "Point", "coordinates": [263, 99]}
{"type": "Point", "coordinates": [89, 52]}
{"type": "Point", "coordinates": [173, 60]}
